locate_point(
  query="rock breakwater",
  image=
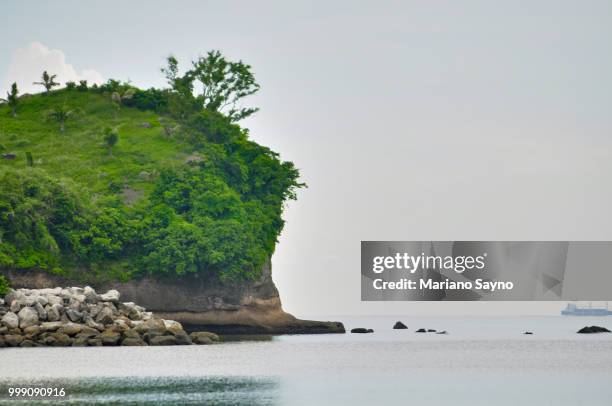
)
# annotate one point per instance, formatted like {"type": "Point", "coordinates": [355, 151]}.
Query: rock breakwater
{"type": "Point", "coordinates": [75, 316]}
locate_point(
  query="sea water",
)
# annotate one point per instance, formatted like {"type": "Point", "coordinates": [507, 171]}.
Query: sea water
{"type": "Point", "coordinates": [481, 361]}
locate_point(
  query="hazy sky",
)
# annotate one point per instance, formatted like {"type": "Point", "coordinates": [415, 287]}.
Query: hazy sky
{"type": "Point", "coordinates": [409, 120]}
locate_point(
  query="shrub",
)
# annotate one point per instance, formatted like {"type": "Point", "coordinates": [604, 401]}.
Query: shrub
{"type": "Point", "coordinates": [70, 85]}
{"type": "Point", "coordinates": [150, 99]}
{"type": "Point", "coordinates": [4, 286]}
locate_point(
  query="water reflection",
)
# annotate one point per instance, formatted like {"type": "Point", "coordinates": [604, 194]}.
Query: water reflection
{"type": "Point", "coordinates": [151, 391]}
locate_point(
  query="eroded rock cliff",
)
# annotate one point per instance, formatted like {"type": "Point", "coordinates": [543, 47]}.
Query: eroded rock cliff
{"type": "Point", "coordinates": [200, 304]}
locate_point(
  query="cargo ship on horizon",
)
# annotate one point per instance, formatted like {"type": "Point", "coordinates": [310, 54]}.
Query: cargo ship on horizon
{"type": "Point", "coordinates": [574, 310]}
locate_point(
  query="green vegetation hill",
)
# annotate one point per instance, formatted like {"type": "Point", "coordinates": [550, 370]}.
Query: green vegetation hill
{"type": "Point", "coordinates": [113, 182]}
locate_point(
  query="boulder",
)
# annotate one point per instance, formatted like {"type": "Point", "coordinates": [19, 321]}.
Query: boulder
{"type": "Point", "coordinates": [173, 326]}
{"type": "Point", "coordinates": [163, 340]}
{"type": "Point", "coordinates": [16, 305]}
{"type": "Point", "coordinates": [203, 337]}
{"type": "Point", "coordinates": [149, 335]}
{"type": "Point", "coordinates": [90, 322]}
{"type": "Point", "coordinates": [54, 312]}
{"type": "Point", "coordinates": [42, 313]}
{"type": "Point", "coordinates": [105, 316]}
{"type": "Point", "coordinates": [80, 341]}
{"type": "Point", "coordinates": [399, 326]}
{"type": "Point", "coordinates": [57, 340]}
{"type": "Point", "coordinates": [110, 296]}
{"type": "Point", "coordinates": [32, 330]}
{"type": "Point", "coordinates": [13, 340]}
{"type": "Point", "coordinates": [132, 342]}
{"type": "Point", "coordinates": [94, 309]}
{"type": "Point", "coordinates": [88, 332]}
{"type": "Point", "coordinates": [151, 324]}
{"type": "Point", "coordinates": [29, 343]}
{"type": "Point", "coordinates": [121, 325]}
{"type": "Point", "coordinates": [90, 295]}
{"type": "Point", "coordinates": [361, 330]}
{"type": "Point", "coordinates": [71, 329]}
{"type": "Point", "coordinates": [74, 315]}
{"type": "Point", "coordinates": [94, 342]}
{"type": "Point", "coordinates": [131, 334]}
{"type": "Point", "coordinates": [182, 338]}
{"type": "Point", "coordinates": [593, 330]}
{"type": "Point", "coordinates": [131, 310]}
{"type": "Point", "coordinates": [10, 320]}
{"type": "Point", "coordinates": [109, 337]}
{"type": "Point", "coordinates": [14, 295]}
{"type": "Point", "coordinates": [27, 317]}
{"type": "Point", "coordinates": [51, 326]}
{"type": "Point", "coordinates": [54, 300]}
{"type": "Point", "coordinates": [200, 334]}
{"type": "Point", "coordinates": [42, 300]}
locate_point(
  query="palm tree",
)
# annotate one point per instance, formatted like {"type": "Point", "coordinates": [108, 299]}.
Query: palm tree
{"type": "Point", "coordinates": [61, 115]}
{"type": "Point", "coordinates": [48, 81]}
{"type": "Point", "coordinates": [11, 99]}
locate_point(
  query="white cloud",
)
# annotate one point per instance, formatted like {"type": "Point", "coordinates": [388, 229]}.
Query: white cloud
{"type": "Point", "coordinates": [28, 63]}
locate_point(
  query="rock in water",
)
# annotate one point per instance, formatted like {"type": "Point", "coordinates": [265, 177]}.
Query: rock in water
{"type": "Point", "coordinates": [528, 333]}
{"type": "Point", "coordinates": [399, 326]}
{"type": "Point", "coordinates": [203, 337]}
{"type": "Point", "coordinates": [58, 340]}
{"type": "Point", "coordinates": [361, 330]}
{"type": "Point", "coordinates": [13, 340]}
{"type": "Point", "coordinates": [133, 342]}
{"type": "Point", "coordinates": [163, 340]}
{"type": "Point", "coordinates": [421, 330]}
{"type": "Point", "coordinates": [593, 329]}
{"type": "Point", "coordinates": [211, 336]}
{"type": "Point", "coordinates": [110, 337]}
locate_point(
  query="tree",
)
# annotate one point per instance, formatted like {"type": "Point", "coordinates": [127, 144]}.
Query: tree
{"type": "Point", "coordinates": [181, 84]}
{"type": "Point", "coordinates": [61, 115]}
{"type": "Point", "coordinates": [48, 81]}
{"type": "Point", "coordinates": [110, 139]}
{"type": "Point", "coordinates": [221, 84]}
{"type": "Point", "coordinates": [11, 99]}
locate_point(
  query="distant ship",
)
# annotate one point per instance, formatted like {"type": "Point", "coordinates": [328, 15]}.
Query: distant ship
{"type": "Point", "coordinates": [574, 310]}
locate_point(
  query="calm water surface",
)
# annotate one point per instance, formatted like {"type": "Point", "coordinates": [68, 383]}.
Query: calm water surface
{"type": "Point", "coordinates": [482, 361]}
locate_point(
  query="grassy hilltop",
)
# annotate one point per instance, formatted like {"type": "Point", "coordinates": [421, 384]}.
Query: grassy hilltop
{"type": "Point", "coordinates": [113, 182]}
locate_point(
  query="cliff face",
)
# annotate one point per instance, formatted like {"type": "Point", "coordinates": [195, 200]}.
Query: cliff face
{"type": "Point", "coordinates": [248, 308]}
